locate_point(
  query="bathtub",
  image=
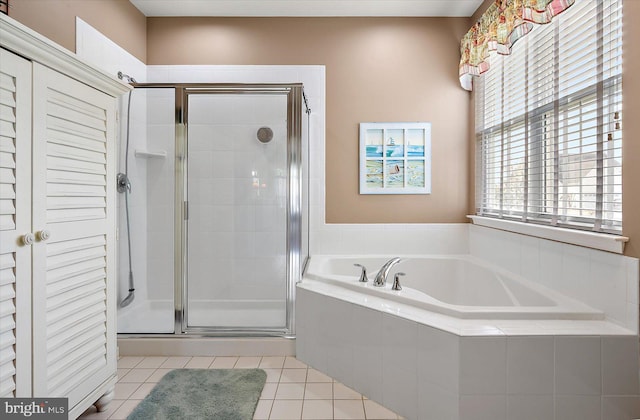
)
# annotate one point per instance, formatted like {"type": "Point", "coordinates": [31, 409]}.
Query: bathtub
{"type": "Point", "coordinates": [460, 286]}
{"type": "Point", "coordinates": [462, 340]}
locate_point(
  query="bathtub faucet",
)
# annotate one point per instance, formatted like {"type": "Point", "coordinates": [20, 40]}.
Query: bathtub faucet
{"type": "Point", "coordinates": [381, 277]}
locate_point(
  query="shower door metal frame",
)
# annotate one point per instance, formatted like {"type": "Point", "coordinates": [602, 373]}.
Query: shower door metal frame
{"type": "Point", "coordinates": [294, 263]}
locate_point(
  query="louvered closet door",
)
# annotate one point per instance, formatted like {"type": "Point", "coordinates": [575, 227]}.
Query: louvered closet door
{"type": "Point", "coordinates": [73, 191]}
{"type": "Point", "coordinates": [15, 221]}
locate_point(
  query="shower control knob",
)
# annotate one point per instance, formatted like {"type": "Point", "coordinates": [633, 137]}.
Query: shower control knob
{"type": "Point", "coordinates": [28, 239]}
{"type": "Point", "coordinates": [43, 235]}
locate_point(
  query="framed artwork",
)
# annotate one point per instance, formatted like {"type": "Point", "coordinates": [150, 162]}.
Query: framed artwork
{"type": "Point", "coordinates": [395, 158]}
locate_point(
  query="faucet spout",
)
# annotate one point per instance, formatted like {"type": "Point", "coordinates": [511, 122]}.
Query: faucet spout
{"type": "Point", "coordinates": [381, 277]}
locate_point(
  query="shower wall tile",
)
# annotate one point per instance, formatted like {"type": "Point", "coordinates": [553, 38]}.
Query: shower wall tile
{"type": "Point", "coordinates": [98, 50]}
{"type": "Point", "coordinates": [161, 107]}
{"type": "Point", "coordinates": [160, 196]}
{"type": "Point", "coordinates": [200, 166]}
{"type": "Point", "coordinates": [244, 218]}
{"type": "Point", "coordinates": [313, 78]}
{"type": "Point", "coordinates": [162, 215]}
{"type": "Point", "coordinates": [162, 285]}
{"type": "Point", "coordinates": [270, 219]}
{"type": "Point", "coordinates": [244, 244]}
{"type": "Point", "coordinates": [223, 245]}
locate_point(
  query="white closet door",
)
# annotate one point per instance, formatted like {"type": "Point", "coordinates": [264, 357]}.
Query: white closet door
{"type": "Point", "coordinates": [73, 194]}
{"type": "Point", "coordinates": [15, 221]}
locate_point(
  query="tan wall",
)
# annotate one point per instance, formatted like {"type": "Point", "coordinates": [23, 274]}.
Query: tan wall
{"type": "Point", "coordinates": [631, 127]}
{"type": "Point", "coordinates": [119, 20]}
{"type": "Point", "coordinates": [377, 70]}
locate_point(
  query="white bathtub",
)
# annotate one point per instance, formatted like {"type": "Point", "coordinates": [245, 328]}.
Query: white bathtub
{"type": "Point", "coordinates": [459, 286]}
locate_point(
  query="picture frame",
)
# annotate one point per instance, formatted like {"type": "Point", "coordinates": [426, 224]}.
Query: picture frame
{"type": "Point", "coordinates": [395, 158]}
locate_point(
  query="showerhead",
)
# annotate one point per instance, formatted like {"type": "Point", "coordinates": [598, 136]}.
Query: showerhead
{"type": "Point", "coordinates": [127, 300]}
{"type": "Point", "coordinates": [128, 78]}
{"type": "Point", "coordinates": [265, 134]}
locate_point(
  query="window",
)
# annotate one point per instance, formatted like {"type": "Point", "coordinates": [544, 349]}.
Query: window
{"type": "Point", "coordinates": [548, 124]}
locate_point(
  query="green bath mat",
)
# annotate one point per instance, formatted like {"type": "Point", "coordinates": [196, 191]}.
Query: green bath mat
{"type": "Point", "coordinates": [203, 394]}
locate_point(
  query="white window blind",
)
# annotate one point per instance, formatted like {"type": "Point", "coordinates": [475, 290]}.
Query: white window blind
{"type": "Point", "coordinates": [548, 123]}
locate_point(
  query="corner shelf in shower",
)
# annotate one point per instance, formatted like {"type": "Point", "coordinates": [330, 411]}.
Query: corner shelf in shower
{"type": "Point", "coordinates": [151, 154]}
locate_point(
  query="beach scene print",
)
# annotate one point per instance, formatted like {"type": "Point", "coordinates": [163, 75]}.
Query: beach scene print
{"type": "Point", "coordinates": [394, 145]}
{"type": "Point", "coordinates": [374, 174]}
{"type": "Point", "coordinates": [395, 158]}
{"type": "Point", "coordinates": [415, 143]}
{"type": "Point", "coordinates": [375, 142]}
{"type": "Point", "coordinates": [395, 173]}
{"type": "Point", "coordinates": [415, 173]}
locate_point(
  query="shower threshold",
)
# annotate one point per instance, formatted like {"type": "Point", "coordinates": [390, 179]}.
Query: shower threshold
{"type": "Point", "coordinates": [205, 318]}
{"type": "Point", "coordinates": [191, 345]}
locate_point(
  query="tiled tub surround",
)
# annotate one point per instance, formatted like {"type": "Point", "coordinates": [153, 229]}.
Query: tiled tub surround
{"type": "Point", "coordinates": [440, 368]}
{"type": "Point", "coordinates": [602, 280]}
{"type": "Point", "coordinates": [428, 365]}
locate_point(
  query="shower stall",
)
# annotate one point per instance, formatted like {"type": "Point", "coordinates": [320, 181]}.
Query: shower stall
{"type": "Point", "coordinates": [217, 209]}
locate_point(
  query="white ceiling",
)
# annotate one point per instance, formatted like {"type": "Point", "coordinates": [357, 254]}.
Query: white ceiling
{"type": "Point", "coordinates": [272, 8]}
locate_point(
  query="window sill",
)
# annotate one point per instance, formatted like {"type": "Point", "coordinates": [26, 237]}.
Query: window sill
{"type": "Point", "coordinates": [601, 241]}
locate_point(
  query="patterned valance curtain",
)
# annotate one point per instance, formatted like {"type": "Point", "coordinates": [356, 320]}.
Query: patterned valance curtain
{"type": "Point", "coordinates": [499, 28]}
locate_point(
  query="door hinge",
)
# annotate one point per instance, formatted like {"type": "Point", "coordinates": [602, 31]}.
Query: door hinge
{"type": "Point", "coordinates": [186, 210]}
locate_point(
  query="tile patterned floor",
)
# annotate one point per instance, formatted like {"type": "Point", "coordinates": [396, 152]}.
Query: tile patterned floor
{"type": "Point", "coordinates": [293, 390]}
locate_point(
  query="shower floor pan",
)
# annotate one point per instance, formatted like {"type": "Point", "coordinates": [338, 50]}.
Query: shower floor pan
{"type": "Point", "coordinates": [157, 316]}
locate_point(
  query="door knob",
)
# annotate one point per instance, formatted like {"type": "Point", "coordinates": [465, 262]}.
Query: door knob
{"type": "Point", "coordinates": [43, 235]}
{"type": "Point", "coordinates": [28, 239]}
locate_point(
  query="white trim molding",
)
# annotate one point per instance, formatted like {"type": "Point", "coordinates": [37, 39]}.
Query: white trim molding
{"type": "Point", "coordinates": [601, 241]}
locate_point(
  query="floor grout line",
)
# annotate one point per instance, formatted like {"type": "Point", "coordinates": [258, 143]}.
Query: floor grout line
{"type": "Point", "coordinates": [158, 363]}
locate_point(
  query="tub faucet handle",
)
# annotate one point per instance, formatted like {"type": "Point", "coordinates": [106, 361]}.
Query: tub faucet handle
{"type": "Point", "coordinates": [396, 281]}
{"type": "Point", "coordinates": [363, 274]}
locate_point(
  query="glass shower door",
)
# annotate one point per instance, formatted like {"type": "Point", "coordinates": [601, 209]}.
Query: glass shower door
{"type": "Point", "coordinates": [236, 228]}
